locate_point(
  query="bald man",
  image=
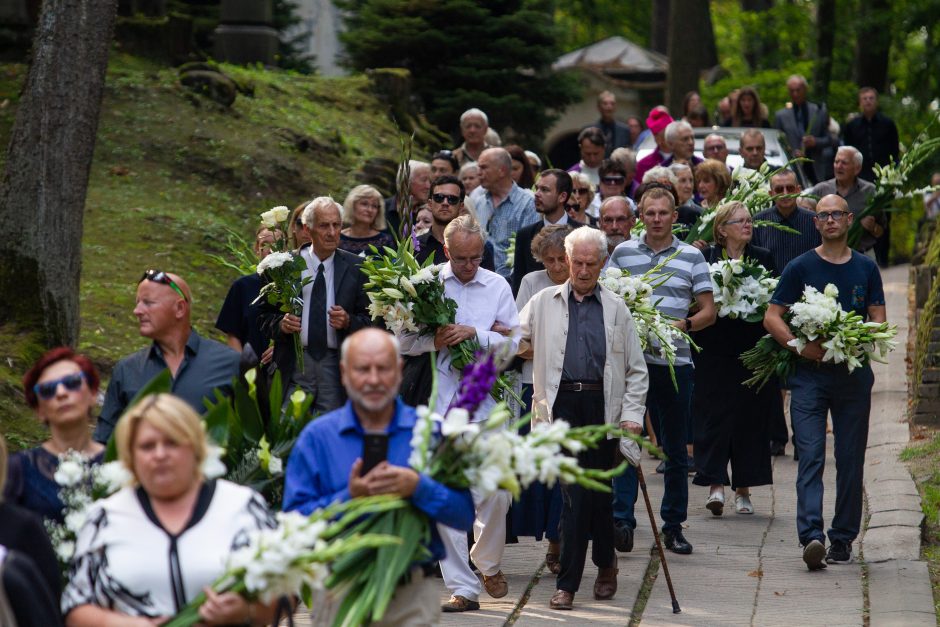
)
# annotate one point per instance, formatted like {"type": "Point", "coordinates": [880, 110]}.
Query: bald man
{"type": "Point", "coordinates": [198, 366]}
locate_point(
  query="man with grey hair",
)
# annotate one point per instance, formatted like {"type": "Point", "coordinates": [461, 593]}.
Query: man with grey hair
{"type": "Point", "coordinates": [588, 368]}
{"type": "Point", "coordinates": [806, 125]}
{"type": "Point", "coordinates": [855, 191]}
{"type": "Point", "coordinates": [486, 312]}
{"type": "Point", "coordinates": [715, 148]}
{"type": "Point", "coordinates": [473, 127]}
{"type": "Point", "coordinates": [335, 305]}
{"type": "Point", "coordinates": [681, 141]}
{"type": "Point", "coordinates": [616, 133]}
{"type": "Point", "coordinates": [502, 206]}
{"type": "Point", "coordinates": [617, 219]}
{"type": "Point", "coordinates": [419, 186]}
{"type": "Point", "coordinates": [752, 148]}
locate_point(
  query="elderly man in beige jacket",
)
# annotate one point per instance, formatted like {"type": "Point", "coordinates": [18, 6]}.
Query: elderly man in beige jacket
{"type": "Point", "coordinates": [588, 368]}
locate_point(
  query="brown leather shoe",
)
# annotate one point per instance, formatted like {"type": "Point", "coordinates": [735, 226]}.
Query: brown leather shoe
{"type": "Point", "coordinates": [496, 585]}
{"type": "Point", "coordinates": [552, 558]}
{"type": "Point", "coordinates": [458, 603]}
{"type": "Point", "coordinates": [562, 600]}
{"type": "Point", "coordinates": [605, 586]}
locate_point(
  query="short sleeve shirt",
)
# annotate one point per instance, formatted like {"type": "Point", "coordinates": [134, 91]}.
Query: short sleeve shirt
{"type": "Point", "coordinates": [858, 281]}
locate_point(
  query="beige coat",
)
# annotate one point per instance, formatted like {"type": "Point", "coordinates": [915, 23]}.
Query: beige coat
{"type": "Point", "coordinates": [544, 322]}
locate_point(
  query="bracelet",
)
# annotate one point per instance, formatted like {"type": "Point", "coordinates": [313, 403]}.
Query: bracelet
{"type": "Point", "coordinates": [688, 325]}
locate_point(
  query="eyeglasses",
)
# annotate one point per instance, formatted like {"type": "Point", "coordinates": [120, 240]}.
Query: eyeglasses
{"type": "Point", "coordinates": [159, 276]}
{"type": "Point", "coordinates": [47, 389]}
{"type": "Point", "coordinates": [823, 216]}
{"type": "Point", "coordinates": [575, 207]}
{"type": "Point", "coordinates": [613, 180]}
{"type": "Point", "coordinates": [786, 189]}
{"type": "Point", "coordinates": [581, 190]}
{"type": "Point", "coordinates": [744, 221]}
{"type": "Point", "coordinates": [450, 198]}
{"type": "Point", "coordinates": [466, 261]}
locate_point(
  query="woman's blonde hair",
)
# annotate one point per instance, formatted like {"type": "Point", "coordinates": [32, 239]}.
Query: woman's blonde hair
{"type": "Point", "coordinates": [722, 215]}
{"type": "Point", "coordinates": [164, 412]}
{"type": "Point", "coordinates": [717, 172]}
{"type": "Point", "coordinates": [356, 194]}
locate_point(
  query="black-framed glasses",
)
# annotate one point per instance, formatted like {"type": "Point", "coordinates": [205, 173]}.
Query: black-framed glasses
{"type": "Point", "coordinates": [47, 389]}
{"type": "Point", "coordinates": [823, 216]}
{"type": "Point", "coordinates": [159, 276]}
{"type": "Point", "coordinates": [450, 198]}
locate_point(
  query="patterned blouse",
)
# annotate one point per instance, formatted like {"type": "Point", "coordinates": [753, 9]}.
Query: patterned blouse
{"type": "Point", "coordinates": [360, 245]}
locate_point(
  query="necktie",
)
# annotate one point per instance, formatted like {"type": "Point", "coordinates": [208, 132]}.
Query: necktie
{"type": "Point", "coordinates": [316, 320]}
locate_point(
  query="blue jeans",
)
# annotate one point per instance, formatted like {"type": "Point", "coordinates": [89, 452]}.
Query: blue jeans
{"type": "Point", "coordinates": [815, 392]}
{"type": "Point", "coordinates": [671, 411]}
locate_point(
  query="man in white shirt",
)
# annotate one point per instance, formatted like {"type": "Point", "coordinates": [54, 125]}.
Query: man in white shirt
{"type": "Point", "coordinates": [487, 313]}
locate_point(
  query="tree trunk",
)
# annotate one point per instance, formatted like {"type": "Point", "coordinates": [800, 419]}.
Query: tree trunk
{"type": "Point", "coordinates": [874, 44]}
{"type": "Point", "coordinates": [825, 40]}
{"type": "Point", "coordinates": [709, 54]}
{"type": "Point", "coordinates": [42, 195]}
{"type": "Point", "coordinates": [761, 45]}
{"type": "Point", "coordinates": [659, 29]}
{"type": "Point", "coordinates": [684, 52]}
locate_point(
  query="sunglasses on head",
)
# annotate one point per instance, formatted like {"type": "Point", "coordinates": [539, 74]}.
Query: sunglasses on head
{"type": "Point", "coordinates": [450, 198]}
{"type": "Point", "coordinates": [159, 276]}
{"type": "Point", "coordinates": [47, 389]}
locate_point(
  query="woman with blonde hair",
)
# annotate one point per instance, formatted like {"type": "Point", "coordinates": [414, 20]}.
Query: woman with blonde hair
{"type": "Point", "coordinates": [364, 221]}
{"type": "Point", "coordinates": [149, 549]}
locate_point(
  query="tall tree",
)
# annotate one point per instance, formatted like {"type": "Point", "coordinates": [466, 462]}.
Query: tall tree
{"type": "Point", "coordinates": [659, 27]}
{"type": "Point", "coordinates": [684, 50]}
{"type": "Point", "coordinates": [825, 41]}
{"type": "Point", "coordinates": [42, 195]}
{"type": "Point", "coordinates": [873, 46]}
{"type": "Point", "coordinates": [762, 41]}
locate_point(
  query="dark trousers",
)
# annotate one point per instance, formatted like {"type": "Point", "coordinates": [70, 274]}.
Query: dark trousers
{"type": "Point", "coordinates": [585, 514]}
{"type": "Point", "coordinates": [670, 409]}
{"type": "Point", "coordinates": [815, 392]}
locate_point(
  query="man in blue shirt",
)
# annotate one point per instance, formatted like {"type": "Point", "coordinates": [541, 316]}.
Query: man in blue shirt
{"type": "Point", "coordinates": [324, 466]}
{"type": "Point", "coordinates": [818, 388]}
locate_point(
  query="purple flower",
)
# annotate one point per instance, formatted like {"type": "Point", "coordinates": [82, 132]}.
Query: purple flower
{"type": "Point", "coordinates": [414, 241]}
{"type": "Point", "coordinates": [477, 381]}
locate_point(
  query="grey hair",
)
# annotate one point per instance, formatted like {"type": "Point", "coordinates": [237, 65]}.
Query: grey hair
{"type": "Point", "coordinates": [532, 155]}
{"type": "Point", "coordinates": [800, 78]}
{"type": "Point", "coordinates": [673, 128]}
{"type": "Point", "coordinates": [319, 203]}
{"type": "Point", "coordinates": [612, 199]}
{"type": "Point", "coordinates": [856, 154]}
{"type": "Point", "coordinates": [344, 347]}
{"type": "Point", "coordinates": [548, 238]}
{"type": "Point", "coordinates": [463, 224]}
{"type": "Point", "coordinates": [413, 166]}
{"type": "Point", "coordinates": [719, 137]}
{"type": "Point", "coordinates": [470, 165]}
{"type": "Point", "coordinates": [753, 132]}
{"type": "Point", "coordinates": [676, 168]}
{"type": "Point", "coordinates": [501, 157]}
{"type": "Point", "coordinates": [592, 237]}
{"type": "Point", "coordinates": [657, 173]}
{"type": "Point", "coordinates": [626, 156]}
{"type": "Point", "coordinates": [474, 113]}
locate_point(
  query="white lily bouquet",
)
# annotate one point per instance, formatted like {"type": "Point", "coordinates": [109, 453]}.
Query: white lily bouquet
{"type": "Point", "coordinates": [742, 289]}
{"type": "Point", "coordinates": [655, 329]}
{"type": "Point", "coordinates": [845, 335]}
{"type": "Point", "coordinates": [283, 270]}
{"type": "Point", "coordinates": [293, 558]}
{"type": "Point", "coordinates": [80, 483]}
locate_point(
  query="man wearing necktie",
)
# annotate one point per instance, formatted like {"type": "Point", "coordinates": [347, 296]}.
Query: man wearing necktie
{"type": "Point", "coordinates": [335, 305]}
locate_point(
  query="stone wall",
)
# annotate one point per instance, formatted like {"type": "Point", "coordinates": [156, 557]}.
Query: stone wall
{"type": "Point", "coordinates": [925, 379]}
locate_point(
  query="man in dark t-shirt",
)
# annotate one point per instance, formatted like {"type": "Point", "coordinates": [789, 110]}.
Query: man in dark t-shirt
{"type": "Point", "coordinates": [819, 388]}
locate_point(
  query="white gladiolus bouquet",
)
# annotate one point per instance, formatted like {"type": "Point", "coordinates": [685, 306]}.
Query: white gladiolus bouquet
{"type": "Point", "coordinates": [742, 288]}
{"type": "Point", "coordinates": [845, 336]}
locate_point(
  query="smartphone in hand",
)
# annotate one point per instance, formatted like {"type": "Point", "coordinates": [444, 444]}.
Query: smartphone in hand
{"type": "Point", "coordinates": [374, 450]}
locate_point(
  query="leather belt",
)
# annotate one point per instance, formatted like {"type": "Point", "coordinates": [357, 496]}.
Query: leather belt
{"type": "Point", "coordinates": [579, 386]}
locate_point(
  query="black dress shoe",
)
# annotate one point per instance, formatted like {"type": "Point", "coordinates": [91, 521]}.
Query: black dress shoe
{"type": "Point", "coordinates": [676, 542]}
{"type": "Point", "coordinates": [777, 449]}
{"type": "Point", "coordinates": [623, 537]}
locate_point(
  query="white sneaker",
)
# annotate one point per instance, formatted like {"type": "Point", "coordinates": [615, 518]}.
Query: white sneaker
{"type": "Point", "coordinates": [715, 503]}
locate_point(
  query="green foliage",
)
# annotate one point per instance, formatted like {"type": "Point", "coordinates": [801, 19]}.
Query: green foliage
{"type": "Point", "coordinates": [584, 22]}
{"type": "Point", "coordinates": [492, 54]}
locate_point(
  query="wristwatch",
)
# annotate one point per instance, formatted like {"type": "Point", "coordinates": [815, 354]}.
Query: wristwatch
{"type": "Point", "coordinates": [688, 325]}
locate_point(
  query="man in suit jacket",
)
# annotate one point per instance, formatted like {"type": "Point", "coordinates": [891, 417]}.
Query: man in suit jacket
{"type": "Point", "coordinates": [616, 134]}
{"type": "Point", "coordinates": [552, 192]}
{"type": "Point", "coordinates": [335, 305]}
{"type": "Point", "coordinates": [806, 125]}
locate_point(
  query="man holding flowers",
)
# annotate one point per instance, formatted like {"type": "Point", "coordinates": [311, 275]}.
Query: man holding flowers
{"type": "Point", "coordinates": [819, 388]}
{"type": "Point", "coordinates": [588, 368]}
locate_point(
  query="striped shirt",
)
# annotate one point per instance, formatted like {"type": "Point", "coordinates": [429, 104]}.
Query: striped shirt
{"type": "Point", "coordinates": [689, 278]}
{"type": "Point", "coordinates": [785, 247]}
{"type": "Point", "coordinates": [516, 211]}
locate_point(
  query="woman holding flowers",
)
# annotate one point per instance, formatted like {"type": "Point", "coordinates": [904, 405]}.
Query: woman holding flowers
{"type": "Point", "coordinates": [731, 419]}
{"type": "Point", "coordinates": [364, 222]}
{"type": "Point", "coordinates": [147, 550]}
{"type": "Point", "coordinates": [62, 388]}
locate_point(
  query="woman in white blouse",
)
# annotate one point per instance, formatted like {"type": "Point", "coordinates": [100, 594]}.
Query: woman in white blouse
{"type": "Point", "coordinates": [149, 549]}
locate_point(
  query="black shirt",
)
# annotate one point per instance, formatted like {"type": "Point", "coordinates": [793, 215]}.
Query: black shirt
{"type": "Point", "coordinates": [586, 346]}
{"type": "Point", "coordinates": [239, 317]}
{"type": "Point", "coordinates": [876, 139]}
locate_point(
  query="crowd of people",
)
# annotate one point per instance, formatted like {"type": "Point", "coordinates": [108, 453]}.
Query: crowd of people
{"type": "Point", "coordinates": [522, 248]}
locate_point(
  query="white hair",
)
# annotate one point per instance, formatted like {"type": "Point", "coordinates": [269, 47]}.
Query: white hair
{"type": "Point", "coordinates": [676, 168]}
{"type": "Point", "coordinates": [532, 155]}
{"type": "Point", "coordinates": [413, 166]}
{"type": "Point", "coordinates": [319, 203]}
{"type": "Point", "coordinates": [718, 137]}
{"type": "Point", "coordinates": [469, 165]}
{"type": "Point", "coordinates": [474, 113]}
{"type": "Point", "coordinates": [589, 236]}
{"type": "Point", "coordinates": [658, 173]}
{"type": "Point", "coordinates": [463, 224]}
{"type": "Point", "coordinates": [673, 128]}
{"type": "Point", "coordinates": [626, 156]}
{"type": "Point", "coordinates": [855, 152]}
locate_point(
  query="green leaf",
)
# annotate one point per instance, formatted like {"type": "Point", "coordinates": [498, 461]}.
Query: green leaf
{"type": "Point", "coordinates": [248, 414]}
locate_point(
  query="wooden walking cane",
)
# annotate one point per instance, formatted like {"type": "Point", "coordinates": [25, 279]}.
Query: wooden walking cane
{"type": "Point", "coordinates": [659, 544]}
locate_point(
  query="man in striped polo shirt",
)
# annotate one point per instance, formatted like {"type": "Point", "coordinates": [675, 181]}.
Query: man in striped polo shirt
{"type": "Point", "coordinates": [669, 408]}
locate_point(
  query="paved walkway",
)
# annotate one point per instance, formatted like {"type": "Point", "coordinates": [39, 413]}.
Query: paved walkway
{"type": "Point", "coordinates": [747, 570]}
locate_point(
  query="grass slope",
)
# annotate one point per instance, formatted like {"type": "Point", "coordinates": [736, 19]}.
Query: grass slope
{"type": "Point", "coordinates": [173, 172]}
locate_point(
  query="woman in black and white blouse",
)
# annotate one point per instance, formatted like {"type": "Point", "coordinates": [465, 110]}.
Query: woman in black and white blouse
{"type": "Point", "coordinates": [149, 549]}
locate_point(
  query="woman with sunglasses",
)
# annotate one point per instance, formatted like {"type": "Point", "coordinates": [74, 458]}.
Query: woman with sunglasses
{"type": "Point", "coordinates": [582, 199]}
{"type": "Point", "coordinates": [62, 388]}
{"type": "Point", "coordinates": [731, 419]}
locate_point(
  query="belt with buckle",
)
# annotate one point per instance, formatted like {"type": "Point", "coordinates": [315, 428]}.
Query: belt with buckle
{"type": "Point", "coordinates": [580, 386]}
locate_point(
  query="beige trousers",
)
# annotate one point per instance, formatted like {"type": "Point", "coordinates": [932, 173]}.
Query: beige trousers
{"type": "Point", "coordinates": [415, 604]}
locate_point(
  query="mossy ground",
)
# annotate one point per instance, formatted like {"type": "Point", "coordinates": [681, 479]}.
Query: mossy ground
{"type": "Point", "coordinates": [923, 458]}
{"type": "Point", "coordinates": [173, 172]}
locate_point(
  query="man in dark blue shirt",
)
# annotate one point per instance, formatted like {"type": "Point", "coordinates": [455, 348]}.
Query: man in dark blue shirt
{"type": "Point", "coordinates": [324, 466]}
{"type": "Point", "coordinates": [198, 365]}
{"type": "Point", "coordinates": [819, 388]}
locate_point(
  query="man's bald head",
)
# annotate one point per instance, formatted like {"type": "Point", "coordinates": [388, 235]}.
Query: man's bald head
{"type": "Point", "coordinates": [370, 366]}
{"type": "Point", "coordinates": [163, 306]}
{"type": "Point", "coordinates": [832, 202]}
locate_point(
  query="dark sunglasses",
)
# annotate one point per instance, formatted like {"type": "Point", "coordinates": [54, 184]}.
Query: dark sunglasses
{"type": "Point", "coordinates": [581, 190]}
{"type": "Point", "coordinates": [613, 180]}
{"type": "Point", "coordinates": [446, 154]}
{"type": "Point", "coordinates": [47, 390]}
{"type": "Point", "coordinates": [450, 198]}
{"type": "Point", "coordinates": [159, 276]}
{"type": "Point", "coordinates": [789, 189]}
